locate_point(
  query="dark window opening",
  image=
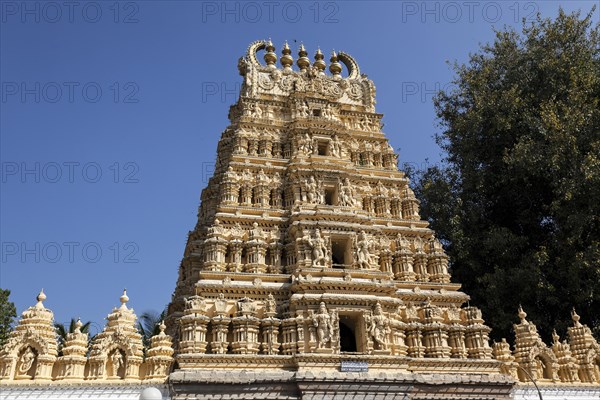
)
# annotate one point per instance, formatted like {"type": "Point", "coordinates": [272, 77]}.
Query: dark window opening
{"type": "Point", "coordinates": [347, 339]}
{"type": "Point", "coordinates": [322, 149]}
{"type": "Point", "coordinates": [338, 252]}
{"type": "Point", "coordinates": [330, 198]}
{"type": "Point", "coordinates": [316, 112]}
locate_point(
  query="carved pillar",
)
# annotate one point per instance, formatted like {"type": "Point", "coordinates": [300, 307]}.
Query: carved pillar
{"type": "Point", "coordinates": [396, 208]}
{"type": "Point", "coordinates": [413, 333]}
{"type": "Point", "coordinates": [245, 328]}
{"type": "Point", "coordinates": [240, 145]}
{"type": "Point", "coordinates": [420, 265]}
{"type": "Point", "coordinates": [252, 147]}
{"type": "Point", "coordinates": [435, 336]}
{"type": "Point", "coordinates": [270, 331]}
{"type": "Point", "coordinates": [403, 265]}
{"type": "Point", "coordinates": [437, 263]}
{"type": "Point", "coordinates": [288, 329]}
{"type": "Point", "coordinates": [385, 260]}
{"type": "Point", "coordinates": [275, 250]}
{"type": "Point", "coordinates": [246, 192]}
{"type": "Point", "coordinates": [235, 251]}
{"type": "Point", "coordinates": [476, 335]}
{"type": "Point", "coordinates": [193, 326]}
{"type": "Point", "coordinates": [456, 333]}
{"type": "Point", "coordinates": [219, 329]}
{"type": "Point", "coordinates": [399, 346]}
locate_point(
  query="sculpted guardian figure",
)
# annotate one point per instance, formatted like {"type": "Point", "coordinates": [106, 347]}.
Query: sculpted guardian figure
{"type": "Point", "coordinates": [378, 327]}
{"type": "Point", "coordinates": [27, 360]}
{"type": "Point", "coordinates": [319, 249]}
{"type": "Point", "coordinates": [311, 188]}
{"type": "Point", "coordinates": [322, 323]}
{"type": "Point", "coordinates": [116, 360]}
{"type": "Point", "coordinates": [362, 251]}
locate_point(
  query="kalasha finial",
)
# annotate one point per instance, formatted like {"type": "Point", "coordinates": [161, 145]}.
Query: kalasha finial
{"type": "Point", "coordinates": [575, 317]}
{"type": "Point", "coordinates": [270, 56]}
{"type": "Point", "coordinates": [40, 299]}
{"type": "Point", "coordinates": [335, 67]}
{"type": "Point", "coordinates": [319, 63]}
{"type": "Point", "coordinates": [303, 61]}
{"type": "Point", "coordinates": [286, 59]}
{"type": "Point", "coordinates": [78, 325]}
{"type": "Point", "coordinates": [522, 315]}
{"type": "Point", "coordinates": [162, 328]}
{"type": "Point", "coordinates": [124, 299]}
{"type": "Point", "coordinates": [555, 337]}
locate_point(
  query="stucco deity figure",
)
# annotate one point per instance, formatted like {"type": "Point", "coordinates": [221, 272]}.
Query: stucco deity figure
{"type": "Point", "coordinates": [304, 109]}
{"type": "Point", "coordinates": [311, 190]}
{"type": "Point", "coordinates": [117, 361]}
{"type": "Point", "coordinates": [194, 303]}
{"type": "Point", "coordinates": [27, 360]}
{"type": "Point", "coordinates": [319, 249]}
{"type": "Point", "coordinates": [347, 194]}
{"type": "Point", "coordinates": [322, 323]}
{"type": "Point", "coordinates": [378, 327]}
{"type": "Point", "coordinates": [335, 147]}
{"type": "Point", "coordinates": [270, 305]}
{"type": "Point", "coordinates": [262, 178]}
{"type": "Point", "coordinates": [221, 304]}
{"type": "Point", "coordinates": [362, 251]}
{"type": "Point", "coordinates": [305, 144]}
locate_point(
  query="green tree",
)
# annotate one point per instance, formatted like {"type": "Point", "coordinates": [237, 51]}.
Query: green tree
{"type": "Point", "coordinates": [8, 313]}
{"type": "Point", "coordinates": [516, 201]}
{"type": "Point", "coordinates": [148, 325]}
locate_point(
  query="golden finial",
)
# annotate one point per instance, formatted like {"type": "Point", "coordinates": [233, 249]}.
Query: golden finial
{"type": "Point", "coordinates": [555, 337]}
{"type": "Point", "coordinates": [40, 299]}
{"type": "Point", "coordinates": [319, 63]}
{"type": "Point", "coordinates": [286, 59]}
{"type": "Point", "coordinates": [335, 67]}
{"type": "Point", "coordinates": [303, 61]}
{"type": "Point", "coordinates": [522, 316]}
{"type": "Point", "coordinates": [575, 317]}
{"type": "Point", "coordinates": [124, 299]}
{"type": "Point", "coordinates": [270, 56]}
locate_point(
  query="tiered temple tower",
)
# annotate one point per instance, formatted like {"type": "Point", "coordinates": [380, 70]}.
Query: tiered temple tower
{"type": "Point", "coordinates": [309, 254]}
{"type": "Point", "coordinates": [309, 275]}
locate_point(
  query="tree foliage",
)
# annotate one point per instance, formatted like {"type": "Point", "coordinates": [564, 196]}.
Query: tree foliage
{"type": "Point", "coordinates": [517, 199]}
{"type": "Point", "coordinates": [8, 313]}
{"type": "Point", "coordinates": [149, 325]}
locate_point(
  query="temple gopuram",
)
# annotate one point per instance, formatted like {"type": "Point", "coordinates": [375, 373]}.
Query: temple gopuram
{"type": "Point", "coordinates": [309, 275]}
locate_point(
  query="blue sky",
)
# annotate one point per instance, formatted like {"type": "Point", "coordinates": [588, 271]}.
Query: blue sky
{"type": "Point", "coordinates": [111, 113]}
